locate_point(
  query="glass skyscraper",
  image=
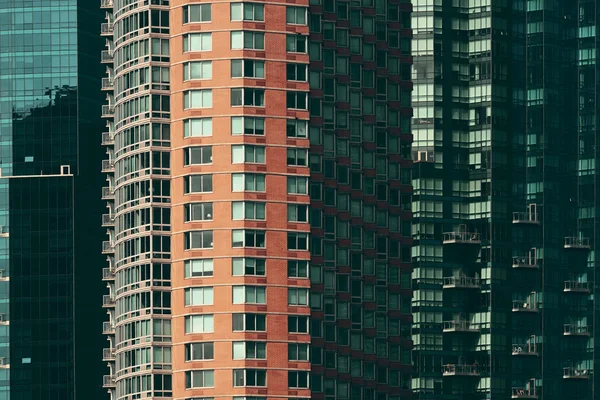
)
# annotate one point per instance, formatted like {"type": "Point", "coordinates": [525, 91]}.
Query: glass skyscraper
{"type": "Point", "coordinates": [49, 154]}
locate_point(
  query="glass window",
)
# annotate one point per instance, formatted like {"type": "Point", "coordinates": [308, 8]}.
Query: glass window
{"type": "Point", "coordinates": [297, 100]}
{"type": "Point", "coordinates": [197, 184]}
{"type": "Point", "coordinates": [297, 269]}
{"type": "Point", "coordinates": [297, 185]}
{"type": "Point", "coordinates": [198, 268]}
{"type": "Point", "coordinates": [200, 296]}
{"type": "Point", "coordinates": [248, 266]}
{"type": "Point", "coordinates": [248, 238]}
{"type": "Point", "coordinates": [197, 155]}
{"type": "Point", "coordinates": [247, 40]}
{"type": "Point", "coordinates": [197, 99]}
{"type": "Point", "coordinates": [196, 13]}
{"type": "Point", "coordinates": [249, 322]}
{"type": "Point", "coordinates": [198, 240]}
{"type": "Point", "coordinates": [295, 15]}
{"type": "Point", "coordinates": [247, 69]}
{"type": "Point", "coordinates": [247, 154]}
{"type": "Point", "coordinates": [199, 379]}
{"type": "Point", "coordinates": [249, 377]}
{"type": "Point", "coordinates": [197, 42]}
{"type": "Point", "coordinates": [296, 128]}
{"type": "Point", "coordinates": [198, 212]}
{"type": "Point", "coordinates": [249, 295]}
{"type": "Point", "coordinates": [248, 182]}
{"type": "Point", "coordinates": [248, 210]}
{"type": "Point", "coordinates": [249, 350]}
{"type": "Point", "coordinates": [296, 72]}
{"type": "Point", "coordinates": [197, 127]}
{"type": "Point", "coordinates": [297, 212]}
{"type": "Point", "coordinates": [199, 351]}
{"type": "Point", "coordinates": [247, 12]}
{"type": "Point", "coordinates": [197, 70]}
{"type": "Point", "coordinates": [199, 323]}
{"type": "Point", "coordinates": [249, 97]}
{"type": "Point", "coordinates": [295, 44]}
{"type": "Point", "coordinates": [297, 297]}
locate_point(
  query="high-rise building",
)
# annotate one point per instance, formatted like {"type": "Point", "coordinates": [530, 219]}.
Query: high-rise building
{"type": "Point", "coordinates": [259, 191]}
{"type": "Point", "coordinates": [49, 206]}
{"type": "Point", "coordinates": [505, 199]}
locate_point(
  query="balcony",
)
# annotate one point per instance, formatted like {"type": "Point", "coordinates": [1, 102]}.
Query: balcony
{"type": "Point", "coordinates": [576, 287]}
{"type": "Point", "coordinates": [460, 370]}
{"type": "Point", "coordinates": [461, 282]}
{"type": "Point", "coordinates": [526, 218]}
{"type": "Point", "coordinates": [106, 57]}
{"type": "Point", "coordinates": [107, 84]}
{"type": "Point", "coordinates": [108, 166]}
{"type": "Point", "coordinates": [468, 238]}
{"type": "Point", "coordinates": [524, 306]}
{"type": "Point", "coordinates": [108, 193]}
{"type": "Point", "coordinates": [108, 328]}
{"type": "Point", "coordinates": [577, 243]}
{"type": "Point", "coordinates": [525, 262]}
{"type": "Point", "coordinates": [108, 111]}
{"type": "Point", "coordinates": [107, 29]}
{"type": "Point", "coordinates": [108, 354]}
{"type": "Point", "coordinates": [575, 373]}
{"type": "Point", "coordinates": [460, 326]}
{"type": "Point", "coordinates": [107, 247]}
{"type": "Point", "coordinates": [108, 274]}
{"type": "Point", "coordinates": [108, 139]}
{"type": "Point", "coordinates": [106, 4]}
{"type": "Point", "coordinates": [109, 381]}
{"type": "Point", "coordinates": [108, 220]}
{"type": "Point", "coordinates": [523, 393]}
{"type": "Point", "coordinates": [527, 349]}
{"type": "Point", "coordinates": [576, 330]}
{"type": "Point", "coordinates": [108, 301]}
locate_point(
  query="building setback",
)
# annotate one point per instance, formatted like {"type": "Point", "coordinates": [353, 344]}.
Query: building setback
{"type": "Point", "coordinates": [505, 197]}
{"type": "Point", "coordinates": [259, 189]}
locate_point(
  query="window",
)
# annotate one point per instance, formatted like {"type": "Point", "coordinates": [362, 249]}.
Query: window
{"type": "Point", "coordinates": [247, 69]}
{"type": "Point", "coordinates": [298, 379]}
{"type": "Point", "coordinates": [296, 72]}
{"type": "Point", "coordinates": [248, 182]}
{"type": "Point", "coordinates": [202, 296]}
{"type": "Point", "coordinates": [197, 155]}
{"type": "Point", "coordinates": [248, 266]}
{"type": "Point", "coordinates": [198, 240]}
{"type": "Point", "coordinates": [197, 70]}
{"type": "Point", "coordinates": [296, 128]}
{"type": "Point", "coordinates": [249, 350]}
{"type": "Point", "coordinates": [246, 153]}
{"type": "Point", "coordinates": [297, 100]}
{"type": "Point", "coordinates": [197, 127]}
{"type": "Point", "coordinates": [249, 295]}
{"type": "Point", "coordinates": [197, 184]}
{"type": "Point", "coordinates": [199, 379]}
{"type": "Point", "coordinates": [198, 268]}
{"type": "Point", "coordinates": [298, 351]}
{"type": "Point", "coordinates": [199, 351]}
{"type": "Point", "coordinates": [297, 297]}
{"type": "Point", "coordinates": [297, 213]}
{"type": "Point", "coordinates": [295, 44]}
{"type": "Point", "coordinates": [199, 323]}
{"type": "Point", "coordinates": [297, 269]}
{"type": "Point", "coordinates": [247, 126]}
{"type": "Point", "coordinates": [248, 210]}
{"type": "Point", "coordinates": [297, 324]}
{"type": "Point", "coordinates": [248, 238]}
{"type": "Point", "coordinates": [197, 42]}
{"type": "Point", "coordinates": [197, 99]}
{"type": "Point", "coordinates": [297, 241]}
{"type": "Point", "coordinates": [297, 185]}
{"type": "Point", "coordinates": [295, 15]}
{"type": "Point", "coordinates": [247, 97]}
{"type": "Point", "coordinates": [198, 212]}
{"type": "Point", "coordinates": [249, 377]}
{"type": "Point", "coordinates": [247, 40]}
{"type": "Point", "coordinates": [249, 322]}
{"type": "Point", "coordinates": [247, 12]}
{"type": "Point", "coordinates": [297, 157]}
{"type": "Point", "coordinates": [196, 13]}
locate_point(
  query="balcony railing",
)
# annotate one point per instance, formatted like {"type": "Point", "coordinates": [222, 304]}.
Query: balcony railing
{"type": "Point", "coordinates": [462, 238]}
{"type": "Point", "coordinates": [460, 370]}
{"type": "Point", "coordinates": [108, 166]}
{"type": "Point", "coordinates": [462, 282]}
{"type": "Point", "coordinates": [108, 247]}
{"type": "Point", "coordinates": [108, 193]}
{"type": "Point", "coordinates": [108, 354]}
{"type": "Point", "coordinates": [107, 28]}
{"type": "Point", "coordinates": [576, 330]}
{"type": "Point", "coordinates": [108, 139]}
{"type": "Point", "coordinates": [580, 243]}
{"type": "Point", "coordinates": [527, 349]}
{"type": "Point", "coordinates": [108, 111]}
{"type": "Point", "coordinates": [527, 262]}
{"type": "Point", "coordinates": [575, 373]}
{"type": "Point", "coordinates": [524, 306]}
{"type": "Point", "coordinates": [575, 286]}
{"type": "Point", "coordinates": [106, 56]}
{"type": "Point", "coordinates": [460, 326]}
{"type": "Point", "coordinates": [108, 220]}
{"type": "Point", "coordinates": [106, 3]}
{"type": "Point", "coordinates": [108, 381]}
{"type": "Point", "coordinates": [108, 300]}
{"type": "Point", "coordinates": [107, 84]}
{"type": "Point", "coordinates": [108, 328]}
{"type": "Point", "coordinates": [108, 274]}
{"type": "Point", "coordinates": [526, 217]}
{"type": "Point", "coordinates": [523, 393]}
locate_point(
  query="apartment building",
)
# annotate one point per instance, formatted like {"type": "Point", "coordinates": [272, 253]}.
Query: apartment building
{"type": "Point", "coordinates": [258, 185]}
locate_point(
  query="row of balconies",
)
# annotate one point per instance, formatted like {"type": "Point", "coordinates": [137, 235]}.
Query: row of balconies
{"type": "Point", "coordinates": [475, 370]}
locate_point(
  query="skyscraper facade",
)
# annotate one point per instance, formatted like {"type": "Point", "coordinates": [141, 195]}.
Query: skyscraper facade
{"type": "Point", "coordinates": [49, 265]}
{"type": "Point", "coordinates": [504, 202]}
{"type": "Point", "coordinates": [259, 188]}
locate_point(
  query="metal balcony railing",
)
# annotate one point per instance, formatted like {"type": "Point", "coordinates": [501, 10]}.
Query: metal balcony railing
{"type": "Point", "coordinates": [106, 56]}
{"type": "Point", "coordinates": [108, 166]}
{"type": "Point", "coordinates": [108, 220]}
{"type": "Point", "coordinates": [108, 328]}
{"type": "Point", "coordinates": [524, 305]}
{"type": "Point", "coordinates": [106, 3]}
{"type": "Point", "coordinates": [575, 286]}
{"type": "Point", "coordinates": [525, 262]}
{"type": "Point", "coordinates": [576, 330]}
{"type": "Point", "coordinates": [108, 354]}
{"type": "Point", "coordinates": [108, 139]}
{"type": "Point", "coordinates": [464, 282]}
{"type": "Point", "coordinates": [576, 373]}
{"type": "Point", "coordinates": [108, 193]}
{"type": "Point", "coordinates": [108, 274]}
{"type": "Point", "coordinates": [109, 381]}
{"type": "Point", "coordinates": [526, 217]}
{"type": "Point", "coordinates": [107, 28]}
{"type": "Point", "coordinates": [108, 111]}
{"type": "Point", "coordinates": [107, 84]}
{"type": "Point", "coordinates": [460, 370]}
{"type": "Point", "coordinates": [460, 326]}
{"type": "Point", "coordinates": [523, 393]}
{"type": "Point", "coordinates": [526, 349]}
{"type": "Point", "coordinates": [108, 247]}
{"type": "Point", "coordinates": [462, 238]}
{"type": "Point", "coordinates": [108, 300]}
{"type": "Point", "coordinates": [577, 243]}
